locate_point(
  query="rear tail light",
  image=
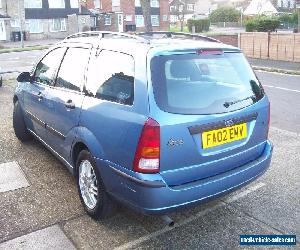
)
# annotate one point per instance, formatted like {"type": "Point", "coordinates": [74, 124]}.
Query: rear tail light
{"type": "Point", "coordinates": [210, 52]}
{"type": "Point", "coordinates": [147, 154]}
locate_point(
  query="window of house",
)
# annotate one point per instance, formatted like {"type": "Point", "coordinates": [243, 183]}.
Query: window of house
{"type": "Point", "coordinates": [115, 3]}
{"type": "Point", "coordinates": [47, 67]}
{"type": "Point", "coordinates": [155, 20]}
{"type": "Point", "coordinates": [14, 23]}
{"type": "Point", "coordinates": [139, 21]}
{"type": "Point", "coordinates": [137, 3]}
{"type": "Point", "coordinates": [116, 82]}
{"type": "Point", "coordinates": [58, 24]}
{"type": "Point", "coordinates": [34, 25]}
{"type": "Point", "coordinates": [173, 18]}
{"type": "Point", "coordinates": [154, 3]}
{"type": "Point", "coordinates": [56, 4]}
{"type": "Point", "coordinates": [107, 20]}
{"type": "Point", "coordinates": [33, 3]}
{"type": "Point", "coordinates": [93, 22]}
{"type": "Point", "coordinates": [98, 4]}
{"type": "Point", "coordinates": [172, 8]}
{"type": "Point", "coordinates": [128, 18]}
{"type": "Point", "coordinates": [74, 4]}
{"type": "Point", "coordinates": [72, 71]}
{"type": "Point", "coordinates": [165, 18]}
{"type": "Point", "coordinates": [190, 7]}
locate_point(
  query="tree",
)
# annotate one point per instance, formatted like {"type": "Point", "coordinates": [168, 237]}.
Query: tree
{"type": "Point", "coordinates": [179, 8]}
{"type": "Point", "coordinates": [225, 14]}
{"type": "Point", "coordinates": [145, 4]}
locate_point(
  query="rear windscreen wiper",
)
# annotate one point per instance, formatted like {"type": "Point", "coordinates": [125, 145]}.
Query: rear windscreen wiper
{"type": "Point", "coordinates": [228, 104]}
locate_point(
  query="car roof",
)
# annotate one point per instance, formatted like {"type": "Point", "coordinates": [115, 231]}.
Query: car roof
{"type": "Point", "coordinates": [137, 44]}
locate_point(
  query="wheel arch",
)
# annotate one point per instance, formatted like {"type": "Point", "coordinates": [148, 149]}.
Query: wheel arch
{"type": "Point", "coordinates": [77, 148]}
{"type": "Point", "coordinates": [85, 139]}
{"type": "Point", "coordinates": [15, 99]}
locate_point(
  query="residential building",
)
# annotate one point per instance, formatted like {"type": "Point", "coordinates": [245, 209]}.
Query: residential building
{"type": "Point", "coordinates": [285, 5]}
{"type": "Point", "coordinates": [127, 15]}
{"type": "Point", "coordinates": [4, 21]}
{"type": "Point", "coordinates": [260, 7]}
{"type": "Point", "coordinates": [41, 19]}
{"type": "Point", "coordinates": [181, 9]}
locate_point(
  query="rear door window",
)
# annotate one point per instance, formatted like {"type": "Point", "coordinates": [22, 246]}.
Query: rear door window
{"type": "Point", "coordinates": [205, 83]}
{"type": "Point", "coordinates": [111, 77]}
{"type": "Point", "coordinates": [71, 74]}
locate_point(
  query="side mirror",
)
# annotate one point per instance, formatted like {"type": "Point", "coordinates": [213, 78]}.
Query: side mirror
{"type": "Point", "coordinates": [24, 77]}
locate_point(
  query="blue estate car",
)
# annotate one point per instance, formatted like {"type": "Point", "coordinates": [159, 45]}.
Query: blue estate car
{"type": "Point", "coordinates": [155, 121]}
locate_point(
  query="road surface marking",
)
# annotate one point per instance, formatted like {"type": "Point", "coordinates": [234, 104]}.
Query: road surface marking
{"type": "Point", "coordinates": [155, 234]}
{"type": "Point", "coordinates": [49, 238]}
{"type": "Point", "coordinates": [11, 177]}
{"type": "Point", "coordinates": [281, 88]}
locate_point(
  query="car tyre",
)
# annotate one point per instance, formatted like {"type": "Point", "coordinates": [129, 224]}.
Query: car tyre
{"type": "Point", "coordinates": [92, 193]}
{"type": "Point", "coordinates": [19, 125]}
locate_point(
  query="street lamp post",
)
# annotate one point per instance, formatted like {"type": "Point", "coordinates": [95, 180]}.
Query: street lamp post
{"type": "Point", "coordinates": [21, 24]}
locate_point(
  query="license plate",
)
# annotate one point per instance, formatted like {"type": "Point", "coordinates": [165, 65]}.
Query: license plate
{"type": "Point", "coordinates": [221, 136]}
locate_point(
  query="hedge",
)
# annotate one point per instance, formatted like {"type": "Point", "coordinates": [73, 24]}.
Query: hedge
{"type": "Point", "coordinates": [225, 14]}
{"type": "Point", "coordinates": [200, 25]}
{"type": "Point", "coordinates": [262, 24]}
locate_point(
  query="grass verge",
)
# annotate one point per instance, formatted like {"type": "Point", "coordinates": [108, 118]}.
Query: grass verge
{"type": "Point", "coordinates": [23, 49]}
{"type": "Point", "coordinates": [274, 70]}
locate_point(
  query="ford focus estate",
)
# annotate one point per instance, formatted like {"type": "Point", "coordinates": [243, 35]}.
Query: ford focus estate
{"type": "Point", "coordinates": [155, 121]}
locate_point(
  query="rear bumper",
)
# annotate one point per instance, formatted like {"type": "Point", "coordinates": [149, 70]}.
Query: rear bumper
{"type": "Point", "coordinates": [149, 194]}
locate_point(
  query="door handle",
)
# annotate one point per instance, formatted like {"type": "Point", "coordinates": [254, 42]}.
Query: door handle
{"type": "Point", "coordinates": [70, 104]}
{"type": "Point", "coordinates": [39, 96]}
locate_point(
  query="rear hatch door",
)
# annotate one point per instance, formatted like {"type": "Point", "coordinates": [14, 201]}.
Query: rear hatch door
{"type": "Point", "coordinates": [212, 111]}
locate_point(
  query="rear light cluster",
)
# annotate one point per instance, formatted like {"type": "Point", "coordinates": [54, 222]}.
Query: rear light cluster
{"type": "Point", "coordinates": [147, 154]}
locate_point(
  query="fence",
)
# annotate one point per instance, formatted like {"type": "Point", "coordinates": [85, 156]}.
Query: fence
{"type": "Point", "coordinates": [275, 46]}
{"type": "Point", "coordinates": [227, 24]}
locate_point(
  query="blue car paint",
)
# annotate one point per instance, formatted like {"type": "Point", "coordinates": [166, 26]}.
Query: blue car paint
{"type": "Point", "coordinates": [111, 132]}
{"type": "Point", "coordinates": [160, 200]}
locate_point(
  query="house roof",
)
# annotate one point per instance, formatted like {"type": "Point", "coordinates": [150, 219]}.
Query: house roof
{"type": "Point", "coordinates": [173, 2]}
{"type": "Point", "coordinates": [258, 7]}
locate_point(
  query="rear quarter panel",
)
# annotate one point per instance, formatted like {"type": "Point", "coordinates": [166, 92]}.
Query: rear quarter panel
{"type": "Point", "coordinates": [115, 128]}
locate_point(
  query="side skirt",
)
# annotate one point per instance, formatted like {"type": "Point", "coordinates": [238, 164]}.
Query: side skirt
{"type": "Point", "coordinates": [57, 155]}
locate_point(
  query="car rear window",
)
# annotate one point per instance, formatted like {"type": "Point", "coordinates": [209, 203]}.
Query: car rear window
{"type": "Point", "coordinates": [204, 83]}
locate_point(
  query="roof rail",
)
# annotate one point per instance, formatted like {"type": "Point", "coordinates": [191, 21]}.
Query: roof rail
{"type": "Point", "coordinates": [172, 34]}
{"type": "Point", "coordinates": [101, 34]}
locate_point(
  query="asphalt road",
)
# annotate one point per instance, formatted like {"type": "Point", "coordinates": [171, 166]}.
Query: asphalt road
{"type": "Point", "coordinates": [270, 205]}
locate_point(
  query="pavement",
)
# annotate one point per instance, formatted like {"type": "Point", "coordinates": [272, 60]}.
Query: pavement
{"type": "Point", "coordinates": [30, 43]}
{"type": "Point", "coordinates": [275, 66]}
{"type": "Point", "coordinates": [40, 207]}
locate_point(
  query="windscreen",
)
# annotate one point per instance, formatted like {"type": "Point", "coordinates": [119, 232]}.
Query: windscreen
{"type": "Point", "coordinates": [204, 83]}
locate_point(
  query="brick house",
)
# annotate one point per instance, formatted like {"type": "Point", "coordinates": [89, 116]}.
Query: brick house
{"type": "Point", "coordinates": [127, 15]}
{"type": "Point", "coordinates": [41, 19]}
{"type": "Point", "coordinates": [182, 9]}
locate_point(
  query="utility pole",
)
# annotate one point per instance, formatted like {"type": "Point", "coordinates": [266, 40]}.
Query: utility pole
{"type": "Point", "coordinates": [21, 23]}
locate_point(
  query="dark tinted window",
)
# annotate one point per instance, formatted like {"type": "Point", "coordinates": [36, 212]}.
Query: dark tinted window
{"type": "Point", "coordinates": [72, 71]}
{"type": "Point", "coordinates": [204, 83]}
{"type": "Point", "coordinates": [47, 67]}
{"type": "Point", "coordinates": [111, 77]}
